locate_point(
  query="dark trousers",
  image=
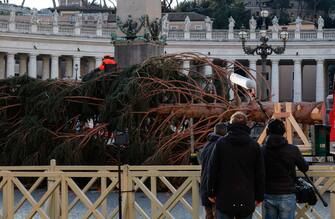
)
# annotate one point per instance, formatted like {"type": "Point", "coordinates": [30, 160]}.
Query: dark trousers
{"type": "Point", "coordinates": [210, 212]}
{"type": "Point", "coordinates": [221, 215]}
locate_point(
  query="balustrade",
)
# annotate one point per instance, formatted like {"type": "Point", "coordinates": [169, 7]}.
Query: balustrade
{"type": "Point", "coordinates": [148, 191]}
{"type": "Point", "coordinates": [67, 28]}
{"type": "Point", "coordinates": [198, 35]}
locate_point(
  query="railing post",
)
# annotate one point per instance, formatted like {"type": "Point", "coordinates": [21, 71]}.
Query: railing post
{"type": "Point", "coordinates": [332, 202]}
{"type": "Point", "coordinates": [128, 196]}
{"type": "Point", "coordinates": [65, 200]}
{"type": "Point", "coordinates": [8, 197]}
{"type": "Point", "coordinates": [195, 198]}
{"type": "Point", "coordinates": [230, 35]}
{"type": "Point", "coordinates": [55, 28]}
{"type": "Point", "coordinates": [252, 35]}
{"type": "Point", "coordinates": [153, 183]}
{"type": "Point", "coordinates": [187, 35]}
{"type": "Point", "coordinates": [104, 203]}
{"type": "Point", "coordinates": [208, 35]}
{"type": "Point", "coordinates": [320, 34]}
{"type": "Point", "coordinates": [53, 202]}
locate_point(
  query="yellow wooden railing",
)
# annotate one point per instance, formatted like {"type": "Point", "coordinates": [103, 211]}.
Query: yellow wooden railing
{"type": "Point", "coordinates": [163, 189]}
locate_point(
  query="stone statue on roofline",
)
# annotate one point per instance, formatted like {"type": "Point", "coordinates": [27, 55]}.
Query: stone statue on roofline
{"type": "Point", "coordinates": [165, 23]}
{"type": "Point", "coordinates": [78, 19]}
{"type": "Point", "coordinates": [12, 15]}
{"type": "Point", "coordinates": [55, 17]}
{"type": "Point", "coordinates": [231, 24]}
{"type": "Point", "coordinates": [99, 20]}
{"type": "Point", "coordinates": [321, 23]}
{"type": "Point", "coordinates": [34, 16]}
{"type": "Point", "coordinates": [252, 24]}
{"type": "Point", "coordinates": [209, 23]}
{"type": "Point", "coordinates": [275, 24]}
{"type": "Point", "coordinates": [187, 24]}
{"type": "Point", "coordinates": [298, 23]}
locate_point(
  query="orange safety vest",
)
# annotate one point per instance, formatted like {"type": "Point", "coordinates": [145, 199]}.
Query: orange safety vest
{"type": "Point", "coordinates": [106, 62]}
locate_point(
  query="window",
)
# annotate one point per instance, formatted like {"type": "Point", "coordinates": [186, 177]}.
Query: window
{"type": "Point", "coordinates": [173, 27]}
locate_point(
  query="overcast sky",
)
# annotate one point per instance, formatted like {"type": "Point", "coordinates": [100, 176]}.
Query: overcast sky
{"type": "Point", "coordinates": [34, 3]}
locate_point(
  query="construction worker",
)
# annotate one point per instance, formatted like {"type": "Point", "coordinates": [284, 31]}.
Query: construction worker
{"type": "Point", "coordinates": [107, 65]}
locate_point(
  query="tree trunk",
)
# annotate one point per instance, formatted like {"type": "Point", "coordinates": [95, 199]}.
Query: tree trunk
{"type": "Point", "coordinates": [305, 113]}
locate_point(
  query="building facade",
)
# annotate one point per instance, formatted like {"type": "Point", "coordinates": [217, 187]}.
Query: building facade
{"type": "Point", "coordinates": [55, 47]}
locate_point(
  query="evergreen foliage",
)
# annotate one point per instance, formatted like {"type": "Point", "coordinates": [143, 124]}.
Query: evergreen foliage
{"type": "Point", "coordinates": [43, 120]}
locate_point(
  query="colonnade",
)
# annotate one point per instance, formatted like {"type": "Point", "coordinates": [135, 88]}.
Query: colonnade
{"type": "Point", "coordinates": [12, 64]}
{"type": "Point", "coordinates": [72, 67]}
{"type": "Point", "coordinates": [274, 77]}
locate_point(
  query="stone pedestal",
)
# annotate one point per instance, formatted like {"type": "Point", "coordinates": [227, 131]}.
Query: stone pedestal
{"type": "Point", "coordinates": [128, 53]}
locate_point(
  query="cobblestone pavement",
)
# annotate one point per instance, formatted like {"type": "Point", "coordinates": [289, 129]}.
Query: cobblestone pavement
{"type": "Point", "coordinates": [178, 212]}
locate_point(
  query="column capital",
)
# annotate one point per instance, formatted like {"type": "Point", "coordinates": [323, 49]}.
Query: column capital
{"type": "Point", "coordinates": [11, 53]}
{"type": "Point", "coordinates": [32, 54]}
{"type": "Point", "coordinates": [275, 61]}
{"type": "Point", "coordinates": [253, 61]}
{"type": "Point", "coordinates": [297, 61]}
{"type": "Point", "coordinates": [77, 57]}
{"type": "Point", "coordinates": [320, 61]}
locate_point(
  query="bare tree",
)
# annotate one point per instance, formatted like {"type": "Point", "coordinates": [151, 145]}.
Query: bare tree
{"type": "Point", "coordinates": [168, 4]}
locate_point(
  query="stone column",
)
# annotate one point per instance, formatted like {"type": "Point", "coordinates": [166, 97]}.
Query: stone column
{"type": "Point", "coordinates": [98, 61]}
{"type": "Point", "coordinates": [46, 68]}
{"type": "Point", "coordinates": [10, 65]}
{"type": "Point", "coordinates": [32, 66]}
{"type": "Point", "coordinates": [275, 80]}
{"type": "Point", "coordinates": [68, 67]}
{"type": "Point", "coordinates": [231, 66]}
{"type": "Point", "coordinates": [2, 66]}
{"type": "Point", "coordinates": [76, 68]}
{"type": "Point", "coordinates": [23, 65]}
{"type": "Point", "coordinates": [253, 67]}
{"type": "Point", "coordinates": [91, 64]}
{"type": "Point", "coordinates": [54, 66]}
{"type": "Point", "coordinates": [320, 81]}
{"type": "Point", "coordinates": [208, 70]}
{"type": "Point", "coordinates": [297, 81]}
{"type": "Point", "coordinates": [186, 67]}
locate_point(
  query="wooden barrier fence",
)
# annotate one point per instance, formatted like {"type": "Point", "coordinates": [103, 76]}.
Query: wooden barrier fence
{"type": "Point", "coordinates": [147, 192]}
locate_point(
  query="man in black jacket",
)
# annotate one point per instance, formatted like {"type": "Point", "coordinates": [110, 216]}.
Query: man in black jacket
{"type": "Point", "coordinates": [236, 176]}
{"type": "Point", "coordinates": [220, 130]}
{"type": "Point", "coordinates": [280, 159]}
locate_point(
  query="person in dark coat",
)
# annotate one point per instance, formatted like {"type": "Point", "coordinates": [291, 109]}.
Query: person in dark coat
{"type": "Point", "coordinates": [236, 172]}
{"type": "Point", "coordinates": [220, 130]}
{"type": "Point", "coordinates": [281, 159]}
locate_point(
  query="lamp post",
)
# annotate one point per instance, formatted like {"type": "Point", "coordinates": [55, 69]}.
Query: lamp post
{"type": "Point", "coordinates": [76, 69]}
{"type": "Point", "coordinates": [264, 50]}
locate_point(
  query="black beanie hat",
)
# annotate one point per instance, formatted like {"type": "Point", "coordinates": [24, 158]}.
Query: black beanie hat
{"type": "Point", "coordinates": [276, 127]}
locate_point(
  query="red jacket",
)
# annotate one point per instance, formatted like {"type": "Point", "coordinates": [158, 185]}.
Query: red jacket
{"type": "Point", "coordinates": [106, 62]}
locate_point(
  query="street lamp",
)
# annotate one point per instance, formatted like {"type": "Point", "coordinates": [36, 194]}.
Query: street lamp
{"type": "Point", "coordinates": [76, 69]}
{"type": "Point", "coordinates": [264, 50]}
